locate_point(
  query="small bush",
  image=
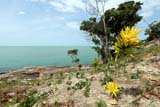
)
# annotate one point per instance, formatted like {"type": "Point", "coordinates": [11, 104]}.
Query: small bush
{"type": "Point", "coordinates": [101, 103]}
{"type": "Point", "coordinates": [153, 31]}
{"type": "Point", "coordinates": [81, 84]}
{"type": "Point", "coordinates": [106, 79]}
{"type": "Point", "coordinates": [80, 74]}
{"type": "Point", "coordinates": [87, 90]}
{"type": "Point", "coordinates": [28, 102]}
{"type": "Point", "coordinates": [128, 38]}
{"type": "Point", "coordinates": [135, 103]}
{"type": "Point", "coordinates": [148, 88]}
{"type": "Point", "coordinates": [134, 75]}
{"type": "Point", "coordinates": [95, 63]}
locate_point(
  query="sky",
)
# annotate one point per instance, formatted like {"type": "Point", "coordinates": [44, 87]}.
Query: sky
{"type": "Point", "coordinates": [56, 22]}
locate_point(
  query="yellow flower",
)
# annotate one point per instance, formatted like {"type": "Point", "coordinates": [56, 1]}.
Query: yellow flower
{"type": "Point", "coordinates": [112, 88]}
{"type": "Point", "coordinates": [127, 38]}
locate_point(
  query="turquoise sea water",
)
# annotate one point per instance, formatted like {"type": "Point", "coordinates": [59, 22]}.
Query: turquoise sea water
{"type": "Point", "coordinates": [17, 57]}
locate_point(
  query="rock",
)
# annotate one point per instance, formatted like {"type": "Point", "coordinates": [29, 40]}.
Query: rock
{"type": "Point", "coordinates": [147, 96]}
{"type": "Point", "coordinates": [150, 70]}
{"type": "Point", "coordinates": [31, 74]}
{"type": "Point", "coordinates": [113, 102]}
{"type": "Point", "coordinates": [11, 94]}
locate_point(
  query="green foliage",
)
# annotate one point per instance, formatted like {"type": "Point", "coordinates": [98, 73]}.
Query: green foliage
{"type": "Point", "coordinates": [59, 78]}
{"type": "Point", "coordinates": [124, 15]}
{"type": "Point", "coordinates": [153, 31]}
{"type": "Point", "coordinates": [32, 92]}
{"type": "Point", "coordinates": [73, 54]}
{"type": "Point", "coordinates": [135, 103]}
{"type": "Point", "coordinates": [148, 88]}
{"type": "Point", "coordinates": [56, 104]}
{"type": "Point", "coordinates": [87, 90]}
{"type": "Point", "coordinates": [115, 20]}
{"type": "Point", "coordinates": [81, 84]}
{"type": "Point", "coordinates": [106, 79]}
{"type": "Point", "coordinates": [28, 102]}
{"type": "Point", "coordinates": [101, 103]}
{"type": "Point", "coordinates": [95, 63]}
{"type": "Point", "coordinates": [126, 39]}
{"type": "Point", "coordinates": [43, 96]}
{"type": "Point", "coordinates": [135, 75]}
{"type": "Point", "coordinates": [80, 74]}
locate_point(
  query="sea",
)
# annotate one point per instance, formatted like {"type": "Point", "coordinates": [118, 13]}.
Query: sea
{"type": "Point", "coordinates": [18, 57]}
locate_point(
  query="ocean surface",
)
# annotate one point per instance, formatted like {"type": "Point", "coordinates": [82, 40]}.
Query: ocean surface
{"type": "Point", "coordinates": [17, 57]}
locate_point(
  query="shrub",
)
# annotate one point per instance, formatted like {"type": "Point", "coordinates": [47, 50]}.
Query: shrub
{"type": "Point", "coordinates": [73, 54]}
{"type": "Point", "coordinates": [81, 84]}
{"type": "Point", "coordinates": [87, 90]}
{"type": "Point", "coordinates": [28, 102]}
{"type": "Point", "coordinates": [101, 103]}
{"type": "Point", "coordinates": [148, 88]}
{"type": "Point", "coordinates": [126, 39]}
{"type": "Point", "coordinates": [153, 31]}
{"type": "Point", "coordinates": [95, 63]}
{"type": "Point", "coordinates": [106, 79]}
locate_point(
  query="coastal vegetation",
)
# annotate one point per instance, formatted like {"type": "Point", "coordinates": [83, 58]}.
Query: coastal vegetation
{"type": "Point", "coordinates": [126, 82]}
{"type": "Point", "coordinates": [153, 31]}
{"type": "Point", "coordinates": [104, 29]}
{"type": "Point", "coordinates": [125, 74]}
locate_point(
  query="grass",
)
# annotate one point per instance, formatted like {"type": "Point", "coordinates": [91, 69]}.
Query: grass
{"type": "Point", "coordinates": [81, 84]}
{"type": "Point", "coordinates": [148, 88]}
{"type": "Point", "coordinates": [28, 102]}
{"type": "Point", "coordinates": [106, 79]}
{"type": "Point", "coordinates": [87, 90]}
{"type": "Point", "coordinates": [101, 103]}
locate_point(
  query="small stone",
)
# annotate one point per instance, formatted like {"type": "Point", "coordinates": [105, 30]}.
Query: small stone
{"type": "Point", "coordinates": [113, 102]}
{"type": "Point", "coordinates": [11, 94]}
{"type": "Point", "coordinates": [150, 70]}
{"type": "Point", "coordinates": [147, 96]}
{"type": "Point", "coordinates": [44, 102]}
{"type": "Point", "coordinates": [10, 100]}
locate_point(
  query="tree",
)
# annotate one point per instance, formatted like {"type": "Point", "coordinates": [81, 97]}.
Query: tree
{"type": "Point", "coordinates": [98, 10]}
{"type": "Point", "coordinates": [153, 31]}
{"type": "Point", "coordinates": [104, 35]}
{"type": "Point", "coordinates": [73, 54]}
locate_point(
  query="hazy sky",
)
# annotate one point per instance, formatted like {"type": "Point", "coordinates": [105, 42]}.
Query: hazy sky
{"type": "Point", "coordinates": [55, 22]}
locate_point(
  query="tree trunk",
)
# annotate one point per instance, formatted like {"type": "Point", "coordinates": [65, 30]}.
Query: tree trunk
{"type": "Point", "coordinates": [106, 56]}
{"type": "Point", "coordinates": [106, 46]}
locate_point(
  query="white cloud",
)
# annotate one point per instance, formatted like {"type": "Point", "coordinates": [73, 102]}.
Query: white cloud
{"type": "Point", "coordinates": [73, 25]}
{"type": "Point", "coordinates": [149, 6]}
{"type": "Point", "coordinates": [21, 12]}
{"type": "Point", "coordinates": [64, 5]}
{"type": "Point", "coordinates": [37, 0]}
{"type": "Point", "coordinates": [67, 5]}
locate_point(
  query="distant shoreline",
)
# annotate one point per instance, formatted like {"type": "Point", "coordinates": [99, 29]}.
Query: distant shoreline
{"type": "Point", "coordinates": [46, 70]}
{"type": "Point", "coordinates": [14, 58]}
